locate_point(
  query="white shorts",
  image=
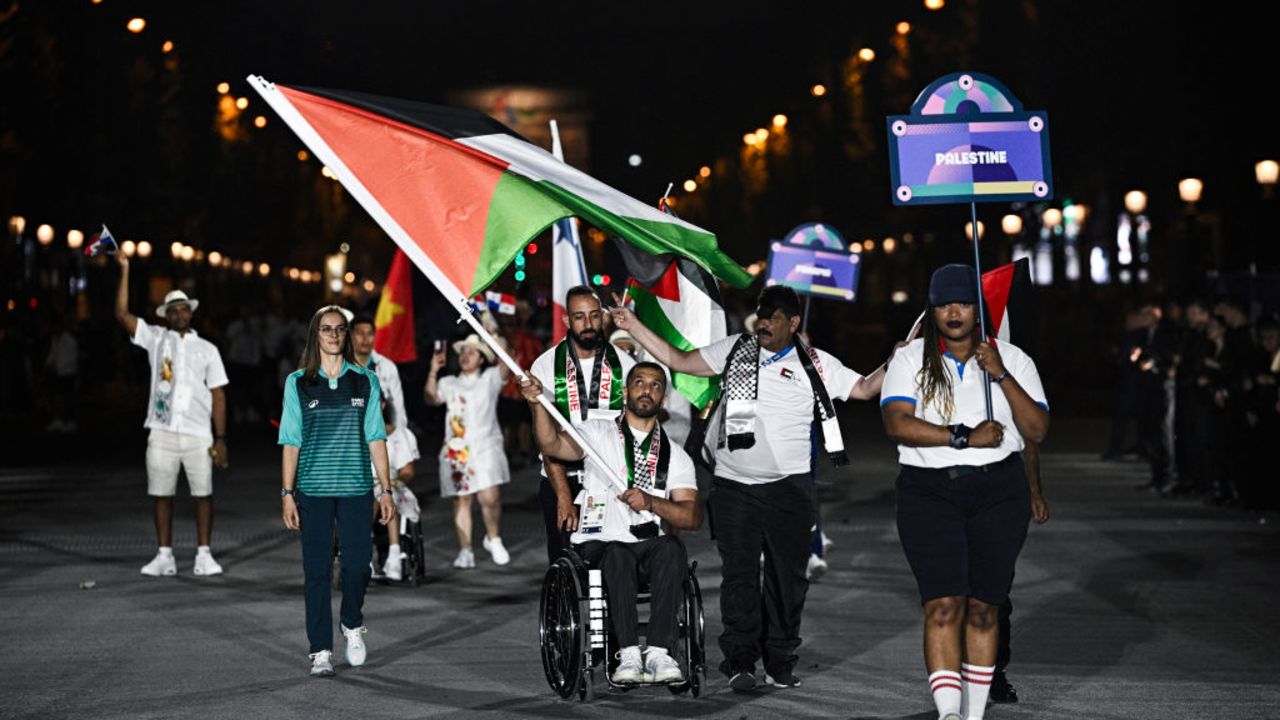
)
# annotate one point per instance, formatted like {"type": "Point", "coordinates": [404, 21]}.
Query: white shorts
{"type": "Point", "coordinates": [169, 451]}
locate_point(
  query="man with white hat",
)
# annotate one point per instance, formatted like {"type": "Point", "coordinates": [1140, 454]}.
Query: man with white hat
{"type": "Point", "coordinates": [187, 381]}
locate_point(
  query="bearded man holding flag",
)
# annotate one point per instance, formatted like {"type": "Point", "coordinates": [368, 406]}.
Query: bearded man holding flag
{"type": "Point", "coordinates": [583, 374]}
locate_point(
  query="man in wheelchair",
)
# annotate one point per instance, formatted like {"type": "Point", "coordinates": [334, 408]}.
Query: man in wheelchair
{"type": "Point", "coordinates": [619, 529]}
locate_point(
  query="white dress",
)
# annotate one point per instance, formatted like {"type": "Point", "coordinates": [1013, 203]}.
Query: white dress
{"type": "Point", "coordinates": [471, 458]}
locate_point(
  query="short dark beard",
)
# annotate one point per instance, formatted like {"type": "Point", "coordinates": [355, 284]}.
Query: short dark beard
{"type": "Point", "coordinates": [585, 344]}
{"type": "Point", "coordinates": [634, 408]}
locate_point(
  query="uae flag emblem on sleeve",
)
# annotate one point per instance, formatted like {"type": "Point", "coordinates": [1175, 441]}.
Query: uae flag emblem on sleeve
{"type": "Point", "coordinates": [461, 193]}
{"type": "Point", "coordinates": [680, 302]}
{"type": "Point", "coordinates": [1007, 292]}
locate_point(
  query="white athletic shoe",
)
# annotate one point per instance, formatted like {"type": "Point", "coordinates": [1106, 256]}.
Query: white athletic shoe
{"type": "Point", "coordinates": [661, 667]}
{"type": "Point", "coordinates": [630, 668]}
{"type": "Point", "coordinates": [206, 565]}
{"type": "Point", "coordinates": [827, 542]}
{"type": "Point", "coordinates": [817, 568]}
{"type": "Point", "coordinates": [355, 652]}
{"type": "Point", "coordinates": [321, 664]}
{"type": "Point", "coordinates": [497, 550]}
{"type": "Point", "coordinates": [393, 567]}
{"type": "Point", "coordinates": [465, 559]}
{"type": "Point", "coordinates": [161, 565]}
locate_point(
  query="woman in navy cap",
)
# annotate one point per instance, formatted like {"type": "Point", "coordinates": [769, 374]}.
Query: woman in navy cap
{"type": "Point", "coordinates": [962, 493]}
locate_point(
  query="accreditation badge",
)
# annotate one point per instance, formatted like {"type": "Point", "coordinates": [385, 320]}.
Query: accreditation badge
{"type": "Point", "coordinates": [592, 515]}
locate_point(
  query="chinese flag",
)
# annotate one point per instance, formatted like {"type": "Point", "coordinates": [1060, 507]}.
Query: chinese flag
{"type": "Point", "coordinates": [394, 321]}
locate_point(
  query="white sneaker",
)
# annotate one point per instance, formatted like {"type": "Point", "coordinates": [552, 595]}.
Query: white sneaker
{"type": "Point", "coordinates": [465, 559]}
{"type": "Point", "coordinates": [630, 668]}
{"type": "Point", "coordinates": [356, 651]}
{"type": "Point", "coordinates": [161, 565]}
{"type": "Point", "coordinates": [661, 667]}
{"type": "Point", "coordinates": [827, 542]}
{"type": "Point", "coordinates": [206, 565]}
{"type": "Point", "coordinates": [497, 550]}
{"type": "Point", "coordinates": [393, 567]}
{"type": "Point", "coordinates": [817, 568]}
{"type": "Point", "coordinates": [321, 664]}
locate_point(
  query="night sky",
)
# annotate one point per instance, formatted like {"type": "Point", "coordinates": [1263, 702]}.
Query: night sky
{"type": "Point", "coordinates": [1139, 94]}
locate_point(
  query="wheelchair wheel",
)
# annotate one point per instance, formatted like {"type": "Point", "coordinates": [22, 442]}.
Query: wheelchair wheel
{"type": "Point", "coordinates": [561, 633]}
{"type": "Point", "coordinates": [696, 637]}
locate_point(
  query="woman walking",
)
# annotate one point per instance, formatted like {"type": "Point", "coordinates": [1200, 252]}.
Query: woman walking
{"type": "Point", "coordinates": [963, 497]}
{"type": "Point", "coordinates": [472, 462]}
{"type": "Point", "coordinates": [331, 430]}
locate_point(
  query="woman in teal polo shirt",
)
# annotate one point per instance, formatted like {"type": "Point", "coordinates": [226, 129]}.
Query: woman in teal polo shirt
{"type": "Point", "coordinates": [330, 429]}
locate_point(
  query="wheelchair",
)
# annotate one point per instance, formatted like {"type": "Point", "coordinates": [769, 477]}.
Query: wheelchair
{"type": "Point", "coordinates": [413, 565]}
{"type": "Point", "coordinates": [576, 638]}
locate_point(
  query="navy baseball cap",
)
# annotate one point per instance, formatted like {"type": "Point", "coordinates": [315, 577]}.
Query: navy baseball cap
{"type": "Point", "coordinates": [953, 283]}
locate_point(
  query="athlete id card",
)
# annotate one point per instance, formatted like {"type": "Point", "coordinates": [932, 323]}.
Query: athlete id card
{"type": "Point", "coordinates": [593, 511]}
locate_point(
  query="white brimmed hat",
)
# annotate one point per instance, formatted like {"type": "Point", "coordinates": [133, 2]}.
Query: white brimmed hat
{"type": "Point", "coordinates": [474, 341]}
{"type": "Point", "coordinates": [176, 297]}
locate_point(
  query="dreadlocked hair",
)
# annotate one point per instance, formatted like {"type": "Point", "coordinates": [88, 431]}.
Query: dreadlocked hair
{"type": "Point", "coordinates": [932, 382]}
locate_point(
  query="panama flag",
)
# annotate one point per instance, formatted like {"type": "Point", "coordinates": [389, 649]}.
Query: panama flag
{"type": "Point", "coordinates": [461, 193]}
{"type": "Point", "coordinates": [393, 322]}
{"type": "Point", "coordinates": [567, 266]}
{"type": "Point", "coordinates": [1007, 292]}
{"type": "Point", "coordinates": [680, 302]}
{"type": "Point", "coordinates": [102, 244]}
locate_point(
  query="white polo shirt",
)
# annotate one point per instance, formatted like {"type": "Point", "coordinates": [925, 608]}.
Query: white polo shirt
{"type": "Point", "coordinates": [389, 378]}
{"type": "Point", "coordinates": [784, 413]}
{"type": "Point", "coordinates": [194, 367]}
{"type": "Point", "coordinates": [969, 400]}
{"type": "Point", "coordinates": [544, 368]}
{"type": "Point", "coordinates": [604, 437]}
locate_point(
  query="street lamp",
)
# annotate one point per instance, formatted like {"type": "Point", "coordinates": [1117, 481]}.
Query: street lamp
{"type": "Point", "coordinates": [1266, 171]}
{"type": "Point", "coordinates": [1052, 218]}
{"type": "Point", "coordinates": [968, 230]}
{"type": "Point", "coordinates": [44, 234]}
{"type": "Point", "coordinates": [175, 248]}
{"type": "Point", "coordinates": [75, 239]}
{"type": "Point", "coordinates": [1011, 224]}
{"type": "Point", "coordinates": [1135, 201]}
{"type": "Point", "coordinates": [144, 249]}
{"type": "Point", "coordinates": [1189, 189]}
{"type": "Point", "coordinates": [17, 225]}
{"type": "Point", "coordinates": [128, 247]}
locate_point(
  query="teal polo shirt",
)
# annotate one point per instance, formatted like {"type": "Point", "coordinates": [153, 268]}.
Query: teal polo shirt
{"type": "Point", "coordinates": [332, 421]}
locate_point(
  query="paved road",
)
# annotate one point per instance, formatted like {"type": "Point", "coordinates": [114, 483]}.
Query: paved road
{"type": "Point", "coordinates": [1128, 606]}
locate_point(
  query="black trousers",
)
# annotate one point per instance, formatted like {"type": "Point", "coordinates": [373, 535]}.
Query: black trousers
{"type": "Point", "coordinates": [663, 559]}
{"type": "Point", "coordinates": [557, 539]}
{"type": "Point", "coordinates": [775, 518]}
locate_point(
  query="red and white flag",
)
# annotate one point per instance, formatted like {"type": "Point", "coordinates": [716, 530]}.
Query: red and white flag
{"type": "Point", "coordinates": [567, 267]}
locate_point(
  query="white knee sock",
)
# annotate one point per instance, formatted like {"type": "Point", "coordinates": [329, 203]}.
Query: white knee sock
{"type": "Point", "coordinates": [977, 685]}
{"type": "Point", "coordinates": [945, 686]}
{"type": "Point", "coordinates": [393, 549]}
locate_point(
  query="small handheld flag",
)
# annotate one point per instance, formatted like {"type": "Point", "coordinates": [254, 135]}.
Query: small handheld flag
{"type": "Point", "coordinates": [102, 244]}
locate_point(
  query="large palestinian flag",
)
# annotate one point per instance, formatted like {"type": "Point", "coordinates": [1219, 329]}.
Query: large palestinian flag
{"type": "Point", "coordinates": [461, 193]}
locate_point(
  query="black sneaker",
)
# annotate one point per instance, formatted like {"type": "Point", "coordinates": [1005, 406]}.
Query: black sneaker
{"type": "Point", "coordinates": [741, 679]}
{"type": "Point", "coordinates": [1001, 691]}
{"type": "Point", "coordinates": [782, 679]}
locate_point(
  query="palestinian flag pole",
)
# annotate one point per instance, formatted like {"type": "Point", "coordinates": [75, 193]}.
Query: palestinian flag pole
{"type": "Point", "coordinates": [461, 194]}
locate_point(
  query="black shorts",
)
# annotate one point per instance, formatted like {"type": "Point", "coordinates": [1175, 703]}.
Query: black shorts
{"type": "Point", "coordinates": [962, 528]}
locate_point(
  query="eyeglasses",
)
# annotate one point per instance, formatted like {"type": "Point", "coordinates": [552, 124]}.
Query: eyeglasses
{"type": "Point", "coordinates": [336, 330]}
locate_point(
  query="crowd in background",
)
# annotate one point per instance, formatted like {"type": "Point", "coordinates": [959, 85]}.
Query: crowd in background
{"type": "Point", "coordinates": [1196, 398]}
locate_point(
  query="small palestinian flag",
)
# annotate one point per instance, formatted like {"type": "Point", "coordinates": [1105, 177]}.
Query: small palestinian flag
{"type": "Point", "coordinates": [461, 193]}
{"type": "Point", "coordinates": [1007, 292]}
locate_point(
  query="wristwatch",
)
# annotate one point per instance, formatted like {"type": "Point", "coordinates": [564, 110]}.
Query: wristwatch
{"type": "Point", "coordinates": [285, 492]}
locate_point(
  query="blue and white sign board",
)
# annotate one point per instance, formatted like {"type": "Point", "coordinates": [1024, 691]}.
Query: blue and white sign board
{"type": "Point", "coordinates": [968, 139]}
{"type": "Point", "coordinates": [812, 271]}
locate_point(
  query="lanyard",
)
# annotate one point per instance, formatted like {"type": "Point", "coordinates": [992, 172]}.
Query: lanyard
{"type": "Point", "coordinates": [777, 356]}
